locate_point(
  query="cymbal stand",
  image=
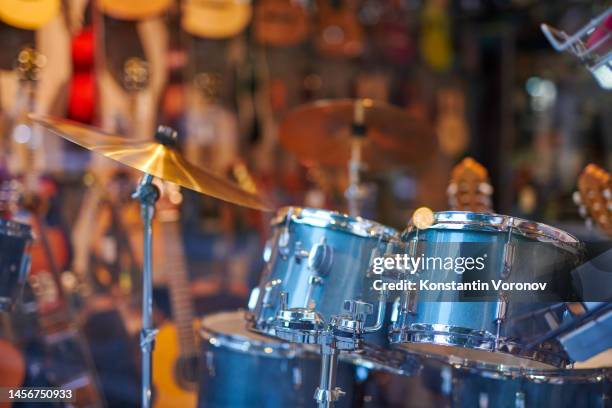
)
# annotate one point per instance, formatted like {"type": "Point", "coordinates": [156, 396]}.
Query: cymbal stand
{"type": "Point", "coordinates": [355, 192]}
{"type": "Point", "coordinates": [147, 193]}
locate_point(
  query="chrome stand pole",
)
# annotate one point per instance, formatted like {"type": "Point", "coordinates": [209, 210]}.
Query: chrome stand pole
{"type": "Point", "coordinates": [326, 394]}
{"type": "Point", "coordinates": [147, 193]}
{"type": "Point", "coordinates": [354, 193]}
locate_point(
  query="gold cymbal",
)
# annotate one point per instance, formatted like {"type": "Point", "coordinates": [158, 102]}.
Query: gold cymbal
{"type": "Point", "coordinates": [156, 158]}
{"type": "Point", "coordinates": [320, 133]}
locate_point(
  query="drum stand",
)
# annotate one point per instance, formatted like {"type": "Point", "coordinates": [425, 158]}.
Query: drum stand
{"type": "Point", "coordinates": [147, 193]}
{"type": "Point", "coordinates": [344, 333]}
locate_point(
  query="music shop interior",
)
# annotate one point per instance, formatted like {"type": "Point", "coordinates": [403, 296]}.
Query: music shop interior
{"type": "Point", "coordinates": [306, 203]}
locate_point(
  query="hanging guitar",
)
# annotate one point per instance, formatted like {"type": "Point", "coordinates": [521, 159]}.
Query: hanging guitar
{"type": "Point", "coordinates": [215, 19]}
{"type": "Point", "coordinates": [280, 23]}
{"type": "Point", "coordinates": [175, 357]}
{"type": "Point", "coordinates": [594, 197]}
{"type": "Point", "coordinates": [339, 33]}
{"type": "Point", "coordinates": [469, 188]}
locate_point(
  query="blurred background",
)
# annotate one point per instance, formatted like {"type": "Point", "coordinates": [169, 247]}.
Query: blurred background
{"type": "Point", "coordinates": [478, 73]}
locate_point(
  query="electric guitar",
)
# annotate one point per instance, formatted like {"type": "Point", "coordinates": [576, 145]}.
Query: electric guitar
{"type": "Point", "coordinates": [176, 351]}
{"type": "Point", "coordinates": [469, 188]}
{"type": "Point", "coordinates": [594, 197]}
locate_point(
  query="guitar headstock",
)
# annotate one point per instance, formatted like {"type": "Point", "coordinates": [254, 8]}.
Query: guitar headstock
{"type": "Point", "coordinates": [594, 197]}
{"type": "Point", "coordinates": [135, 74]}
{"type": "Point", "coordinates": [469, 188]}
{"type": "Point", "coordinates": [29, 64]}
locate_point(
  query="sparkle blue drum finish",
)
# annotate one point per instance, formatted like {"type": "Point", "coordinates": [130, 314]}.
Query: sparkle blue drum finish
{"type": "Point", "coordinates": [540, 253]}
{"type": "Point", "coordinates": [14, 261]}
{"type": "Point", "coordinates": [320, 259]}
{"type": "Point", "coordinates": [585, 388]}
{"type": "Point", "coordinates": [241, 369]}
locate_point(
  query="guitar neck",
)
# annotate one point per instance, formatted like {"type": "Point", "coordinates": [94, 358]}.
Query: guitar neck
{"type": "Point", "coordinates": [178, 282]}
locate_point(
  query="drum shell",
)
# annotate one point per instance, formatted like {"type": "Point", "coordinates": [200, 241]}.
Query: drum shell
{"type": "Point", "coordinates": [474, 324]}
{"type": "Point", "coordinates": [250, 370]}
{"type": "Point", "coordinates": [15, 239]}
{"type": "Point", "coordinates": [347, 276]}
{"type": "Point", "coordinates": [559, 389]}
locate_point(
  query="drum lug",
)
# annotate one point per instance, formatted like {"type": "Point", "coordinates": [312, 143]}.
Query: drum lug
{"type": "Point", "coordinates": [502, 307]}
{"type": "Point", "coordinates": [314, 280]}
{"type": "Point", "coordinates": [412, 297]}
{"type": "Point", "coordinates": [253, 298]}
{"type": "Point", "coordinates": [283, 242]}
{"type": "Point", "coordinates": [519, 401]}
{"type": "Point", "coordinates": [300, 253]}
{"type": "Point", "coordinates": [320, 257]}
{"type": "Point", "coordinates": [267, 252]}
{"type": "Point", "coordinates": [210, 363]}
{"type": "Point", "coordinates": [297, 377]}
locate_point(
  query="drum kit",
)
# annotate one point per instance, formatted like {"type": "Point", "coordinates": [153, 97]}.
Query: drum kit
{"type": "Point", "coordinates": [316, 301]}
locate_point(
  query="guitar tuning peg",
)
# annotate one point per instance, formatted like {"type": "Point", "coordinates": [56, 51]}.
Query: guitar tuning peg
{"type": "Point", "coordinates": [589, 223]}
{"type": "Point", "coordinates": [577, 198]}
{"type": "Point", "coordinates": [607, 194]}
{"type": "Point", "coordinates": [582, 210]}
{"type": "Point", "coordinates": [452, 189]}
{"type": "Point", "coordinates": [485, 188]}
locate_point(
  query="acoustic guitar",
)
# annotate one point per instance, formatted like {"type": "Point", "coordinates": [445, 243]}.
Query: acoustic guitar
{"type": "Point", "coordinates": [339, 33]}
{"type": "Point", "coordinates": [176, 353]}
{"type": "Point", "coordinates": [28, 14]}
{"type": "Point", "coordinates": [133, 9]}
{"type": "Point", "coordinates": [594, 197]}
{"type": "Point", "coordinates": [280, 23]}
{"type": "Point", "coordinates": [215, 18]}
{"type": "Point", "coordinates": [469, 188]}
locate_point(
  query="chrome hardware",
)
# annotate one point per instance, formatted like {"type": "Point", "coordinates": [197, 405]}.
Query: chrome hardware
{"type": "Point", "coordinates": [519, 402]}
{"type": "Point", "coordinates": [253, 298]}
{"type": "Point", "coordinates": [267, 251]}
{"type": "Point", "coordinates": [300, 253]}
{"type": "Point", "coordinates": [284, 299]}
{"type": "Point", "coordinates": [358, 310]}
{"type": "Point", "coordinates": [320, 257]}
{"type": "Point", "coordinates": [315, 280]}
{"type": "Point", "coordinates": [210, 363]}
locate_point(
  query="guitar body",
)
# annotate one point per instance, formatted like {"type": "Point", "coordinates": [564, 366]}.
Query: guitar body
{"type": "Point", "coordinates": [339, 32]}
{"type": "Point", "coordinates": [12, 368]}
{"type": "Point", "coordinates": [280, 23]}
{"type": "Point", "coordinates": [215, 18]}
{"type": "Point", "coordinates": [169, 393]}
{"type": "Point", "coordinates": [28, 14]}
{"type": "Point", "coordinates": [133, 9]}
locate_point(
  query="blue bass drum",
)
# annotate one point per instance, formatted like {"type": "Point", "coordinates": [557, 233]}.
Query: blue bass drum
{"type": "Point", "coordinates": [320, 259]}
{"type": "Point", "coordinates": [532, 389]}
{"type": "Point", "coordinates": [497, 330]}
{"type": "Point", "coordinates": [241, 369]}
{"type": "Point", "coordinates": [15, 241]}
